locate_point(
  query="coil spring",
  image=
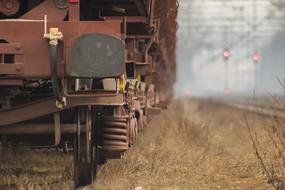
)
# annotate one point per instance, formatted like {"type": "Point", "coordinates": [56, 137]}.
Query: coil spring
{"type": "Point", "coordinates": [115, 133]}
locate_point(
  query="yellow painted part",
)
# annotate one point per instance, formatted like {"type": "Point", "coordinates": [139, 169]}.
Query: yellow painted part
{"type": "Point", "coordinates": [139, 77]}
{"type": "Point", "coordinates": [122, 85]}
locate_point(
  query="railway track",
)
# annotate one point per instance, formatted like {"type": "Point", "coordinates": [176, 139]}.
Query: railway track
{"type": "Point", "coordinates": [267, 109]}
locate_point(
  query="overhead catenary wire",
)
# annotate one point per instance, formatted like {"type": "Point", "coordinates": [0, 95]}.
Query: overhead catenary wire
{"type": "Point", "coordinates": [209, 29]}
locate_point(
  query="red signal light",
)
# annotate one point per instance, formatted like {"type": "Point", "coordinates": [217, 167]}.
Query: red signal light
{"type": "Point", "coordinates": [256, 57]}
{"type": "Point", "coordinates": [226, 92]}
{"type": "Point", "coordinates": [227, 53]}
{"type": "Point", "coordinates": [186, 93]}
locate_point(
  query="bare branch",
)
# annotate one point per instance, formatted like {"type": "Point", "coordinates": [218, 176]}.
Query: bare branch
{"type": "Point", "coordinates": [271, 178]}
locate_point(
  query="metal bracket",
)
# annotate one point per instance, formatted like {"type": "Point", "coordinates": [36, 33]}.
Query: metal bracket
{"type": "Point", "coordinates": [57, 133]}
{"type": "Point", "coordinates": [150, 42]}
{"type": "Point", "coordinates": [53, 36]}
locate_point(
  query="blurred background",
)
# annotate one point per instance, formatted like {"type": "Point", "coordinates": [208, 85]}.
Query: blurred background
{"type": "Point", "coordinates": [231, 47]}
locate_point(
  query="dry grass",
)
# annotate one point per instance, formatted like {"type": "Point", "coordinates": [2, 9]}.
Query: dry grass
{"type": "Point", "coordinates": [164, 156]}
{"type": "Point", "coordinates": [194, 145]}
{"type": "Point", "coordinates": [269, 150]}
{"type": "Point", "coordinates": [25, 169]}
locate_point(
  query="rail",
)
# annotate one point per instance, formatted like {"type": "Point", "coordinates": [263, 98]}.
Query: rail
{"type": "Point", "coordinates": [265, 109]}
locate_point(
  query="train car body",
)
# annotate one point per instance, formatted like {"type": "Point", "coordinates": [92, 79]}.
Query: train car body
{"type": "Point", "coordinates": [84, 72]}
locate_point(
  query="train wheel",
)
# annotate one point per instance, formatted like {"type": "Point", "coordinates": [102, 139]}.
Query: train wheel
{"type": "Point", "coordinates": [137, 128]}
{"type": "Point", "coordinates": [85, 149]}
{"type": "Point", "coordinates": [140, 120]}
{"type": "Point", "coordinates": [133, 130]}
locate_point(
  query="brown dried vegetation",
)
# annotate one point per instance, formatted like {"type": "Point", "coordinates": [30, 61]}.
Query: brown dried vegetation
{"type": "Point", "coordinates": [194, 145]}
{"type": "Point", "coordinates": [269, 150]}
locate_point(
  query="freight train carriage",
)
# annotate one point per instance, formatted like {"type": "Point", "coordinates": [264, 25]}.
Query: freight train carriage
{"type": "Point", "coordinates": [84, 71]}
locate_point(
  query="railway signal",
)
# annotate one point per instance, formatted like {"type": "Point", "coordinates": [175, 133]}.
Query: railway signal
{"type": "Point", "coordinates": [186, 93]}
{"type": "Point", "coordinates": [256, 57]}
{"type": "Point", "coordinates": [226, 54]}
{"type": "Point", "coordinates": [226, 91]}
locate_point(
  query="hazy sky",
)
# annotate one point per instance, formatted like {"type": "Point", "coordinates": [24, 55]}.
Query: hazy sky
{"type": "Point", "coordinates": [207, 27]}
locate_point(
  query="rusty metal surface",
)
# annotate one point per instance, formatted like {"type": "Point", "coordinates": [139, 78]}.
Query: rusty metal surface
{"type": "Point", "coordinates": [9, 7]}
{"type": "Point", "coordinates": [57, 130]}
{"type": "Point", "coordinates": [74, 12]}
{"type": "Point", "coordinates": [12, 69]}
{"type": "Point", "coordinates": [150, 37]}
{"type": "Point", "coordinates": [35, 109]}
{"type": "Point", "coordinates": [36, 57]}
{"type": "Point", "coordinates": [133, 130]}
{"type": "Point", "coordinates": [166, 69]}
{"type": "Point", "coordinates": [129, 19]}
{"type": "Point", "coordinates": [11, 48]}
{"type": "Point", "coordinates": [48, 8]}
{"type": "Point", "coordinates": [11, 82]}
{"type": "Point", "coordinates": [115, 133]}
{"type": "Point", "coordinates": [167, 12]}
{"type": "Point", "coordinates": [148, 45]}
{"type": "Point", "coordinates": [119, 111]}
{"type": "Point", "coordinates": [26, 129]}
{"type": "Point", "coordinates": [140, 7]}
